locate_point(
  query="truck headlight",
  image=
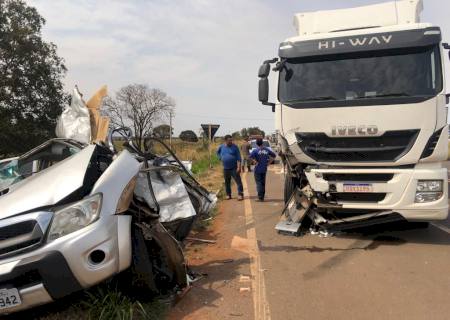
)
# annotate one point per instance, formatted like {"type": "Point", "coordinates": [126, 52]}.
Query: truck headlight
{"type": "Point", "coordinates": [429, 190]}
{"type": "Point", "coordinates": [75, 216]}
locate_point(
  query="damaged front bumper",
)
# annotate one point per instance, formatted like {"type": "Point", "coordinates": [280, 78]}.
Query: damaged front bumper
{"type": "Point", "coordinates": [391, 190]}
{"type": "Point", "coordinates": [68, 264]}
{"type": "Point", "coordinates": [337, 199]}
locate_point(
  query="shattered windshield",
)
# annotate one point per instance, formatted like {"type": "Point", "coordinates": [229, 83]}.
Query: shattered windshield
{"type": "Point", "coordinates": [412, 72]}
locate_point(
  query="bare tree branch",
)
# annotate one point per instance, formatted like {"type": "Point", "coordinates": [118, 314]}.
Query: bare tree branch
{"type": "Point", "coordinates": [139, 107]}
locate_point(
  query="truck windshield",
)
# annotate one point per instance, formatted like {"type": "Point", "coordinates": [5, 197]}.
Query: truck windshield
{"type": "Point", "coordinates": [412, 72]}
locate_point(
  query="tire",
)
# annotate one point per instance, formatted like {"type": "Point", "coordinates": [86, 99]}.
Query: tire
{"type": "Point", "coordinates": [290, 183]}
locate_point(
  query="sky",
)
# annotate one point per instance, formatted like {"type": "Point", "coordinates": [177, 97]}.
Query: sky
{"type": "Point", "coordinates": [203, 53]}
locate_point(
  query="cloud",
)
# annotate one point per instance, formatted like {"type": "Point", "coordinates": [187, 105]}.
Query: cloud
{"type": "Point", "coordinates": [203, 53]}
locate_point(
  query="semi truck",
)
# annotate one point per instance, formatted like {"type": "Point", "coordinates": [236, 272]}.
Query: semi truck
{"type": "Point", "coordinates": [361, 112]}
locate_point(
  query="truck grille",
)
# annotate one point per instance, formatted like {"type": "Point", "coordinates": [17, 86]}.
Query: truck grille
{"type": "Point", "coordinates": [23, 232]}
{"type": "Point", "coordinates": [358, 177]}
{"type": "Point", "coordinates": [389, 147]}
{"type": "Point", "coordinates": [358, 197]}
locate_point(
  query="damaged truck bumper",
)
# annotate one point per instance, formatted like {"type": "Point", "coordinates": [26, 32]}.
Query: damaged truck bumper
{"type": "Point", "coordinates": [68, 264]}
{"type": "Point", "coordinates": [391, 190]}
{"type": "Point", "coordinates": [337, 199]}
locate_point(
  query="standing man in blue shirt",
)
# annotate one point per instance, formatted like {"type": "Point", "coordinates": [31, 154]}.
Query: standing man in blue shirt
{"type": "Point", "coordinates": [262, 157]}
{"type": "Point", "coordinates": [230, 156]}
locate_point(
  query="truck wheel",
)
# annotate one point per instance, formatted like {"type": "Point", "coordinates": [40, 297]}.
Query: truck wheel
{"type": "Point", "coordinates": [290, 183]}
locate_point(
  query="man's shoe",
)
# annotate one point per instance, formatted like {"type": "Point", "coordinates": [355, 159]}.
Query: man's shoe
{"type": "Point", "coordinates": [240, 197]}
{"type": "Point", "coordinates": [260, 200]}
{"type": "Point", "coordinates": [228, 197]}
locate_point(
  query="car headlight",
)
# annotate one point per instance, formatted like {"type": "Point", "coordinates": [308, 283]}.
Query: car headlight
{"type": "Point", "coordinates": [429, 190]}
{"type": "Point", "coordinates": [75, 216]}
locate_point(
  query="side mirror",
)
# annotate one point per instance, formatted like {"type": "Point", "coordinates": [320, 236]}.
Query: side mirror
{"type": "Point", "coordinates": [263, 85]}
{"type": "Point", "coordinates": [446, 46]}
{"type": "Point", "coordinates": [263, 93]}
{"type": "Point", "coordinates": [264, 70]}
{"type": "Point", "coordinates": [263, 90]}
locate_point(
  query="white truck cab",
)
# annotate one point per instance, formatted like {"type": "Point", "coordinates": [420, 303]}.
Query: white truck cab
{"type": "Point", "coordinates": [362, 114]}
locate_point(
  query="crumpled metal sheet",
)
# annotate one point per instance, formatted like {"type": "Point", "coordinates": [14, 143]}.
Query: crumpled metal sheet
{"type": "Point", "coordinates": [207, 206]}
{"type": "Point", "coordinates": [74, 122]}
{"type": "Point", "coordinates": [170, 192]}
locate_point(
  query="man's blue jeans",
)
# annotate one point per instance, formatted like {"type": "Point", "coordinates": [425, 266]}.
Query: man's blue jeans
{"type": "Point", "coordinates": [260, 179]}
{"type": "Point", "coordinates": [232, 173]}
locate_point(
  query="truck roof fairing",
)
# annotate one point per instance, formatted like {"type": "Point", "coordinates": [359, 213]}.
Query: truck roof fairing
{"type": "Point", "coordinates": [360, 43]}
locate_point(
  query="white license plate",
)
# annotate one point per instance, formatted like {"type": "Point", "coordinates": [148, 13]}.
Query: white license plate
{"type": "Point", "coordinates": [358, 187]}
{"type": "Point", "coordinates": [9, 298]}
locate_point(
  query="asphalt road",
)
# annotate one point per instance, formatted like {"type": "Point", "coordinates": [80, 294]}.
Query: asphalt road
{"type": "Point", "coordinates": [394, 272]}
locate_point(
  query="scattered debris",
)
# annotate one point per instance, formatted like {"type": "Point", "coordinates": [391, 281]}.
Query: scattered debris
{"type": "Point", "coordinates": [227, 261]}
{"type": "Point", "coordinates": [244, 289]}
{"type": "Point", "coordinates": [244, 278]}
{"type": "Point", "coordinates": [200, 240]}
{"type": "Point", "coordinates": [240, 244]}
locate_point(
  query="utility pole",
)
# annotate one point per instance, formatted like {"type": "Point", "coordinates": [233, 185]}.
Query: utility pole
{"type": "Point", "coordinates": [170, 129]}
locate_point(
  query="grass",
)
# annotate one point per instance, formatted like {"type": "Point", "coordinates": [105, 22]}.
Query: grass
{"type": "Point", "coordinates": [111, 303]}
{"type": "Point", "coordinates": [103, 302]}
{"type": "Point", "coordinates": [202, 165]}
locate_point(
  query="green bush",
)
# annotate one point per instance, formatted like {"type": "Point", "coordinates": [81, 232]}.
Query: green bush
{"type": "Point", "coordinates": [202, 165]}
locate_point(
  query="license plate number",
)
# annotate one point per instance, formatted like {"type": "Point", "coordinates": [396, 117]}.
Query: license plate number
{"type": "Point", "coordinates": [9, 298]}
{"type": "Point", "coordinates": [358, 187]}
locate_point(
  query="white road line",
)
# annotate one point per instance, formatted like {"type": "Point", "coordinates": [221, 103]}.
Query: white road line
{"type": "Point", "coordinates": [441, 227]}
{"type": "Point", "coordinates": [260, 303]}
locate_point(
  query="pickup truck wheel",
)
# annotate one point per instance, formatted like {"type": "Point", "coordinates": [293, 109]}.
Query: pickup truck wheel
{"type": "Point", "coordinates": [290, 183]}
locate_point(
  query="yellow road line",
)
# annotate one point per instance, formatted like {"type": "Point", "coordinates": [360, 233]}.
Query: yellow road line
{"type": "Point", "coordinates": [260, 303]}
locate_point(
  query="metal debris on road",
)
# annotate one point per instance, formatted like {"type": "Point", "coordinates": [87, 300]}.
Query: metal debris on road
{"type": "Point", "coordinates": [200, 240]}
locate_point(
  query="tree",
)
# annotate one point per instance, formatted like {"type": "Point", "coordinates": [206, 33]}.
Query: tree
{"type": "Point", "coordinates": [163, 131]}
{"type": "Point", "coordinates": [246, 132]}
{"type": "Point", "coordinates": [188, 135]}
{"type": "Point", "coordinates": [31, 89]}
{"type": "Point", "coordinates": [139, 107]}
{"type": "Point", "coordinates": [236, 135]}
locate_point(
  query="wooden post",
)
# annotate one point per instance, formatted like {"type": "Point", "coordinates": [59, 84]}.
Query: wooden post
{"type": "Point", "coordinates": [209, 146]}
{"type": "Point", "coordinates": [170, 133]}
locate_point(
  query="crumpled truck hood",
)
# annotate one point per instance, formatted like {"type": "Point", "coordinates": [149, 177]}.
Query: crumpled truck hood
{"type": "Point", "coordinates": [47, 187]}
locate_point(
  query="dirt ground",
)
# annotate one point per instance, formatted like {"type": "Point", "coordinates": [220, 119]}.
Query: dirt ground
{"type": "Point", "coordinates": [223, 292]}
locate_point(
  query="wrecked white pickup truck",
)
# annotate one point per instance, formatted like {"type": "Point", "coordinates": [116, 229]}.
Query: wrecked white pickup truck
{"type": "Point", "coordinates": [74, 214]}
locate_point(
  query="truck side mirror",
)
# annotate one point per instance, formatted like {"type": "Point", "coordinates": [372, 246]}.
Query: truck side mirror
{"type": "Point", "coordinates": [263, 93]}
{"type": "Point", "coordinates": [263, 90]}
{"type": "Point", "coordinates": [264, 70]}
{"type": "Point", "coordinates": [263, 85]}
{"type": "Point", "coordinates": [446, 46]}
